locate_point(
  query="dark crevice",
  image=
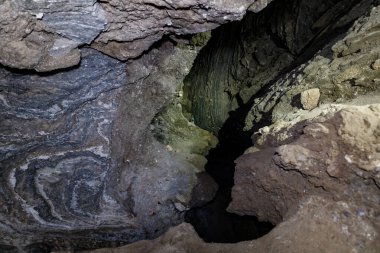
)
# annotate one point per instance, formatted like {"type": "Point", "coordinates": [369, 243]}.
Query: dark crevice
{"type": "Point", "coordinates": [41, 74]}
{"type": "Point", "coordinates": [212, 222]}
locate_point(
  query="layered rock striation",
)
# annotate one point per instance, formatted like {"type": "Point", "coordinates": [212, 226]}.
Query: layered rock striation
{"type": "Point", "coordinates": [104, 148]}
{"type": "Point", "coordinates": [46, 35]}
{"type": "Point", "coordinates": [80, 167]}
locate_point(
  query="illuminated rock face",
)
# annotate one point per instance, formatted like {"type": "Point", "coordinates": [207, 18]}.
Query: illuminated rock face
{"type": "Point", "coordinates": [324, 155]}
{"type": "Point", "coordinates": [45, 34]}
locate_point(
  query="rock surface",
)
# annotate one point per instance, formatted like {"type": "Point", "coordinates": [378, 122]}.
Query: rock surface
{"type": "Point", "coordinates": [310, 98]}
{"type": "Point", "coordinates": [319, 225]}
{"type": "Point", "coordinates": [76, 148]}
{"type": "Point", "coordinates": [341, 71]}
{"type": "Point", "coordinates": [242, 58]}
{"type": "Point", "coordinates": [77, 154]}
{"type": "Point", "coordinates": [327, 198]}
{"type": "Point", "coordinates": [84, 164]}
{"type": "Point", "coordinates": [45, 35]}
{"type": "Point", "coordinates": [313, 173]}
{"type": "Point", "coordinates": [177, 132]}
{"type": "Point", "coordinates": [325, 155]}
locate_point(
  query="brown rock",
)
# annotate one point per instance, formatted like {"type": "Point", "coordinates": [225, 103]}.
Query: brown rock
{"type": "Point", "coordinates": [43, 36]}
{"type": "Point", "coordinates": [319, 225]}
{"type": "Point", "coordinates": [333, 156]}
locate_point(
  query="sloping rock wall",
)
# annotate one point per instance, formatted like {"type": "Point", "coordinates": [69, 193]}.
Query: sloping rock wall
{"type": "Point", "coordinates": [344, 69]}
{"type": "Point", "coordinates": [242, 58]}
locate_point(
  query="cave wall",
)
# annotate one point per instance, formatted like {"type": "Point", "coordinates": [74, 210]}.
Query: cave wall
{"type": "Point", "coordinates": [325, 144]}
{"type": "Point", "coordinates": [77, 153]}
{"type": "Point", "coordinates": [45, 35]}
{"type": "Point", "coordinates": [243, 57]}
{"type": "Point", "coordinates": [341, 70]}
{"type": "Point", "coordinates": [76, 149]}
{"type": "Point", "coordinates": [314, 169]}
{"type": "Point", "coordinates": [80, 165]}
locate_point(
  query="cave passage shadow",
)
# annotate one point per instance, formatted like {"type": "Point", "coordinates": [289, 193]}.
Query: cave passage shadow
{"type": "Point", "coordinates": [211, 221]}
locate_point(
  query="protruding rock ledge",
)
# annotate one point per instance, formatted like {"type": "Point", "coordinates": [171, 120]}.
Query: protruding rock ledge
{"type": "Point", "coordinates": [45, 35]}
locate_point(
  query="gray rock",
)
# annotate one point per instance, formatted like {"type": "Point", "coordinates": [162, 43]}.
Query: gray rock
{"type": "Point", "coordinates": [82, 28]}
{"type": "Point", "coordinates": [134, 26]}
{"type": "Point", "coordinates": [55, 153]}
{"type": "Point", "coordinates": [259, 5]}
{"type": "Point", "coordinates": [79, 166]}
{"type": "Point", "coordinates": [45, 35]}
{"type": "Point", "coordinates": [32, 30]}
{"type": "Point", "coordinates": [376, 64]}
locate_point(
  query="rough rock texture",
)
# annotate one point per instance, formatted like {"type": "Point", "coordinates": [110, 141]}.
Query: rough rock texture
{"type": "Point", "coordinates": [319, 225]}
{"type": "Point", "coordinates": [323, 200]}
{"type": "Point", "coordinates": [45, 34]}
{"type": "Point", "coordinates": [326, 156]}
{"type": "Point", "coordinates": [342, 70]}
{"type": "Point", "coordinates": [134, 25]}
{"type": "Point", "coordinates": [76, 153]}
{"type": "Point", "coordinates": [177, 132]}
{"type": "Point", "coordinates": [179, 135]}
{"type": "Point", "coordinates": [81, 164]}
{"type": "Point", "coordinates": [310, 98]}
{"type": "Point", "coordinates": [313, 173]}
{"type": "Point", "coordinates": [242, 58]}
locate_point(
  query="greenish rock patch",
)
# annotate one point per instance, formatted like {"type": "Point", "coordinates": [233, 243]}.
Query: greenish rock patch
{"type": "Point", "coordinates": [174, 127]}
{"type": "Point", "coordinates": [182, 136]}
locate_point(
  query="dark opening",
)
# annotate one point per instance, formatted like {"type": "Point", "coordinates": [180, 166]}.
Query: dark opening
{"type": "Point", "coordinates": [212, 222]}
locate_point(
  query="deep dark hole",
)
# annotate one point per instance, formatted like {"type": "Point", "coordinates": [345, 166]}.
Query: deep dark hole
{"type": "Point", "coordinates": [212, 222]}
